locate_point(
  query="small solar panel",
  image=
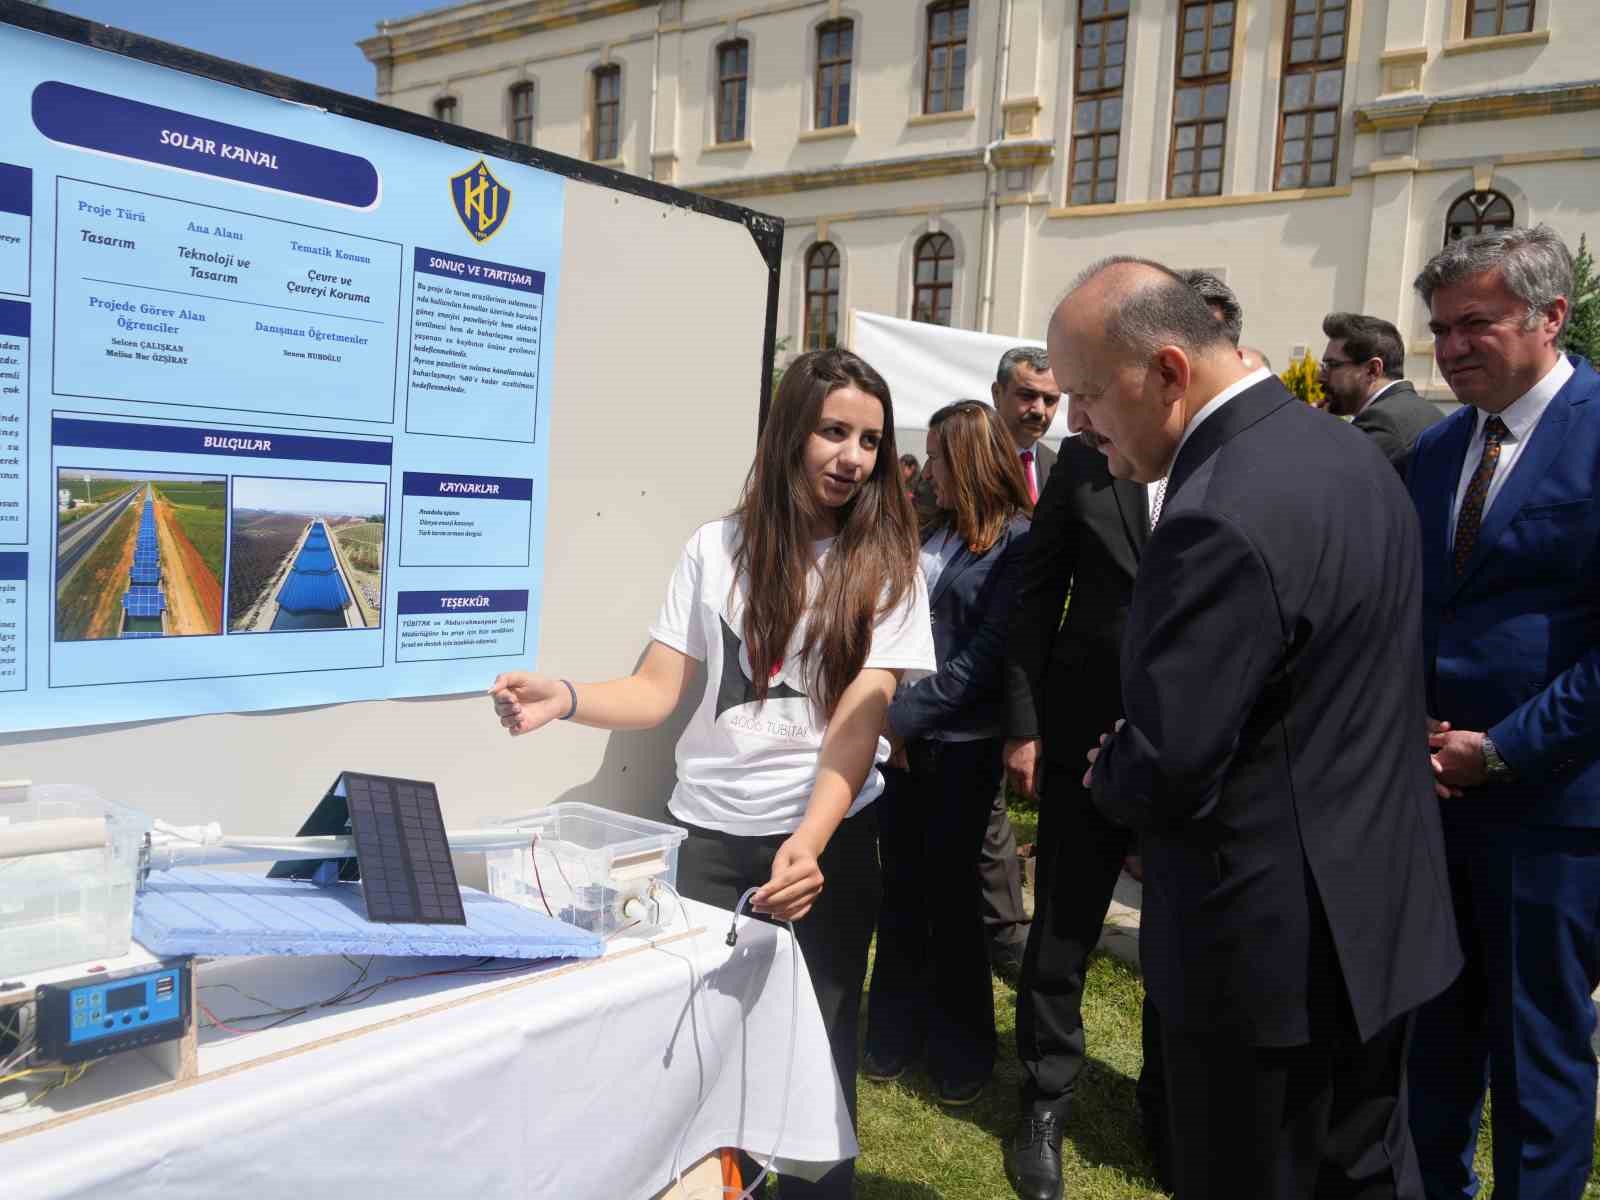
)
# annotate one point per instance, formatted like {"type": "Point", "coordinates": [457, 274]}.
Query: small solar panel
{"type": "Point", "coordinates": [406, 872]}
{"type": "Point", "coordinates": [130, 634]}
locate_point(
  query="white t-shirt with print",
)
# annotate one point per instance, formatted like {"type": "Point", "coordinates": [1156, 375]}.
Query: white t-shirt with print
{"type": "Point", "coordinates": [749, 769]}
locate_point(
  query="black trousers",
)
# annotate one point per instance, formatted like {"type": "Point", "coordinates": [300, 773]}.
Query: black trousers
{"type": "Point", "coordinates": [1327, 1121]}
{"type": "Point", "coordinates": [1005, 919]}
{"type": "Point", "coordinates": [1079, 857]}
{"type": "Point", "coordinates": [930, 977]}
{"type": "Point", "coordinates": [716, 868]}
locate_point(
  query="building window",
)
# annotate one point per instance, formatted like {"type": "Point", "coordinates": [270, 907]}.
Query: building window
{"type": "Point", "coordinates": [822, 297]}
{"type": "Point", "coordinates": [1488, 18]}
{"type": "Point", "coordinates": [444, 109]}
{"type": "Point", "coordinates": [522, 114]}
{"type": "Point", "coordinates": [1097, 107]}
{"type": "Point", "coordinates": [607, 112]}
{"type": "Point", "coordinates": [1200, 101]}
{"type": "Point", "coordinates": [1313, 87]}
{"type": "Point", "coordinates": [1478, 212]}
{"type": "Point", "coordinates": [945, 85]}
{"type": "Point", "coordinates": [835, 45]}
{"type": "Point", "coordinates": [733, 81]}
{"type": "Point", "coordinates": [935, 279]}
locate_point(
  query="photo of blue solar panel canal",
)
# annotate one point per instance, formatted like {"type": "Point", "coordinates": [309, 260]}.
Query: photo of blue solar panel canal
{"type": "Point", "coordinates": [144, 604]}
{"type": "Point", "coordinates": [313, 596]}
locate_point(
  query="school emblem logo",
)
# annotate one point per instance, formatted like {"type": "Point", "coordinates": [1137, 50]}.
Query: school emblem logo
{"type": "Point", "coordinates": [482, 202]}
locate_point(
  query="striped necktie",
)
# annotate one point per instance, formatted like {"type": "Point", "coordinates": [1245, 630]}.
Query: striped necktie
{"type": "Point", "coordinates": [1470, 519]}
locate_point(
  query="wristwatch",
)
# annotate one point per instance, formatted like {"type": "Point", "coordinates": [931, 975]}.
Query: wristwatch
{"type": "Point", "coordinates": [1495, 768]}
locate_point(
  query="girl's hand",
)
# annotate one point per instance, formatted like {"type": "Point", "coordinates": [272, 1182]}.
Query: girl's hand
{"type": "Point", "coordinates": [795, 884]}
{"type": "Point", "coordinates": [525, 702]}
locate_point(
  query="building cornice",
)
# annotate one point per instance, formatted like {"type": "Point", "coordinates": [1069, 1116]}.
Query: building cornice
{"type": "Point", "coordinates": [465, 26]}
{"type": "Point", "coordinates": [891, 170]}
{"type": "Point", "coordinates": [1503, 105]}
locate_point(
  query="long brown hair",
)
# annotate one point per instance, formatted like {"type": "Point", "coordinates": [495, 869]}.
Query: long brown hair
{"type": "Point", "coordinates": [872, 565]}
{"type": "Point", "coordinates": [985, 473]}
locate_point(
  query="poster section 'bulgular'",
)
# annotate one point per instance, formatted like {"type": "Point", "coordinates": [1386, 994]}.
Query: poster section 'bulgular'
{"type": "Point", "coordinates": [274, 387]}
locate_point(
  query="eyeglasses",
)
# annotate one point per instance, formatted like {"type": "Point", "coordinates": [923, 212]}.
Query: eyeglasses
{"type": "Point", "coordinates": [1333, 364]}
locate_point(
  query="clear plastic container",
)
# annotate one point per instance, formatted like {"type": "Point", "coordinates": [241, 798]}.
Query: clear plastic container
{"type": "Point", "coordinates": [590, 867]}
{"type": "Point", "coordinates": [71, 905]}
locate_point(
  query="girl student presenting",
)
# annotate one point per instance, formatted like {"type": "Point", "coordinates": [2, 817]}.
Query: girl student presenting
{"type": "Point", "coordinates": [931, 991]}
{"type": "Point", "coordinates": [806, 606]}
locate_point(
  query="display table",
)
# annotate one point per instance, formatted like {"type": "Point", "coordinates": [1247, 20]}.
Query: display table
{"type": "Point", "coordinates": [568, 1080]}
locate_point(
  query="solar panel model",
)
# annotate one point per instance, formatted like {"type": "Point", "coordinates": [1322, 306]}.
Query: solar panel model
{"type": "Point", "coordinates": [402, 854]}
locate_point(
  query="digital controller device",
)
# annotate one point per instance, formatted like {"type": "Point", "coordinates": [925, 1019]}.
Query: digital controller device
{"type": "Point", "coordinates": [97, 1015]}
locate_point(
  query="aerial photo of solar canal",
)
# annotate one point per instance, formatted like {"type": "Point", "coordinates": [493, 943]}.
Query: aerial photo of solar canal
{"type": "Point", "coordinates": [144, 556]}
{"type": "Point", "coordinates": [138, 556]}
{"type": "Point", "coordinates": [305, 554]}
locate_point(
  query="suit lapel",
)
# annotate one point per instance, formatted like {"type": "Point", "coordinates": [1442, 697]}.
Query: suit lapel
{"type": "Point", "coordinates": [963, 559]}
{"type": "Point", "coordinates": [1237, 415]}
{"type": "Point", "coordinates": [1532, 466]}
{"type": "Point", "coordinates": [1433, 498]}
{"type": "Point", "coordinates": [1133, 506]}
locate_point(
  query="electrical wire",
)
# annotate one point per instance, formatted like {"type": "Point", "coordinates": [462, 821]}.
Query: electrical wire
{"type": "Point", "coordinates": [788, 1072]}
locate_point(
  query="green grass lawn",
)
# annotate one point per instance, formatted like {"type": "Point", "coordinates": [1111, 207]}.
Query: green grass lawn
{"type": "Point", "coordinates": [201, 508]}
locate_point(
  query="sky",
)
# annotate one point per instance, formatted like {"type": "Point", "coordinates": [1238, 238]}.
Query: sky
{"type": "Point", "coordinates": [309, 496]}
{"type": "Point", "coordinates": [313, 40]}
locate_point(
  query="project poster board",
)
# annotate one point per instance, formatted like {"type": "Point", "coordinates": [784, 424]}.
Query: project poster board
{"type": "Point", "coordinates": [274, 398]}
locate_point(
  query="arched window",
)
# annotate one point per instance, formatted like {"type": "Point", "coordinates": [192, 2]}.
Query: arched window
{"type": "Point", "coordinates": [822, 297]}
{"type": "Point", "coordinates": [835, 48]}
{"type": "Point", "coordinates": [444, 109]}
{"type": "Point", "coordinates": [944, 86]}
{"type": "Point", "coordinates": [522, 114]}
{"type": "Point", "coordinates": [607, 113]}
{"type": "Point", "coordinates": [733, 81]}
{"type": "Point", "coordinates": [1478, 212]}
{"type": "Point", "coordinates": [934, 280]}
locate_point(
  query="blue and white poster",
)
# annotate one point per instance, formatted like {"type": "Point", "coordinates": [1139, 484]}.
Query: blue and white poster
{"type": "Point", "coordinates": [274, 399]}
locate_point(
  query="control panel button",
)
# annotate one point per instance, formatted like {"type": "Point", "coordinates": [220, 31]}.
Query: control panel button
{"type": "Point", "coordinates": [144, 1014]}
{"type": "Point", "coordinates": [109, 1022]}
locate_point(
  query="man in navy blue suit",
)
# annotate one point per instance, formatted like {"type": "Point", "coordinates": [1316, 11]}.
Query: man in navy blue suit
{"type": "Point", "coordinates": [1510, 515]}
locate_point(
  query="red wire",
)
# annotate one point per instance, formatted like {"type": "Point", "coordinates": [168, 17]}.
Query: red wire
{"type": "Point", "coordinates": [533, 854]}
{"type": "Point", "coordinates": [218, 1021]}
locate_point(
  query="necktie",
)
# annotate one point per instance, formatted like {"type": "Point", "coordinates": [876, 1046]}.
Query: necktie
{"type": "Point", "coordinates": [1470, 518]}
{"type": "Point", "coordinates": [1027, 474]}
{"type": "Point", "coordinates": [1157, 501]}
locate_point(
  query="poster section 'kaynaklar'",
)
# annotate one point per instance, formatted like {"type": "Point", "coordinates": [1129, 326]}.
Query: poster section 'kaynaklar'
{"type": "Point", "coordinates": [273, 392]}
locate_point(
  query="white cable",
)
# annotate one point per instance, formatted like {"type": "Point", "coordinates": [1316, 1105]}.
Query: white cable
{"type": "Point", "coordinates": [788, 1072]}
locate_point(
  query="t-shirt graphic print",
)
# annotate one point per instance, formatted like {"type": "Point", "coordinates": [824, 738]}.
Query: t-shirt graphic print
{"type": "Point", "coordinates": [743, 767]}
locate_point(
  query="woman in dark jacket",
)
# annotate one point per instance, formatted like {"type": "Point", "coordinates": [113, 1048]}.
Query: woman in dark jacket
{"type": "Point", "coordinates": [930, 985]}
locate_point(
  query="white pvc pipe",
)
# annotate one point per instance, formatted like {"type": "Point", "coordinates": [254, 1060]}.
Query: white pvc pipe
{"type": "Point", "coordinates": [53, 836]}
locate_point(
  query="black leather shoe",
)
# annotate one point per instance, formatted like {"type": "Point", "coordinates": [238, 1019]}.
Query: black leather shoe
{"type": "Point", "coordinates": [882, 1070]}
{"type": "Point", "coordinates": [1033, 1156]}
{"type": "Point", "coordinates": [958, 1093]}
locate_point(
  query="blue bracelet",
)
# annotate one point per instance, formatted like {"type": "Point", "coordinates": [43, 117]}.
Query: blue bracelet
{"type": "Point", "coordinates": [573, 692]}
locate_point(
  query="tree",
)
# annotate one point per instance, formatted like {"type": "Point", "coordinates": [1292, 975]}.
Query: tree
{"type": "Point", "coordinates": [1301, 379]}
{"type": "Point", "coordinates": [1582, 334]}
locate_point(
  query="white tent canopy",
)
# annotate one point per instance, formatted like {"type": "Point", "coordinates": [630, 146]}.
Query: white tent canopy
{"type": "Point", "coordinates": [928, 366]}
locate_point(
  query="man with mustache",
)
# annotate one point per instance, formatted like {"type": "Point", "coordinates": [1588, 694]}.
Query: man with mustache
{"type": "Point", "coordinates": [1510, 515]}
{"type": "Point", "coordinates": [1026, 397]}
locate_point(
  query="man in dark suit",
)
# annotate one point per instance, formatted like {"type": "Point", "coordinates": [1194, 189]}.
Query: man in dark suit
{"type": "Point", "coordinates": [1511, 622]}
{"type": "Point", "coordinates": [1026, 397]}
{"type": "Point", "coordinates": [1295, 907]}
{"type": "Point", "coordinates": [1361, 374]}
{"type": "Point", "coordinates": [1064, 688]}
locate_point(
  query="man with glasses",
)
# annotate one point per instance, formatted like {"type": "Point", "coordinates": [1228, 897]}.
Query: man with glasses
{"type": "Point", "coordinates": [1361, 373]}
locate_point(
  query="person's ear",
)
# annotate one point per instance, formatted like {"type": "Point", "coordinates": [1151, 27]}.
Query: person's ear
{"type": "Point", "coordinates": [1173, 372]}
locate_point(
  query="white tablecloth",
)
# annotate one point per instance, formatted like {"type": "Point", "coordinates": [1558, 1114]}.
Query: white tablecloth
{"type": "Point", "coordinates": [575, 1086]}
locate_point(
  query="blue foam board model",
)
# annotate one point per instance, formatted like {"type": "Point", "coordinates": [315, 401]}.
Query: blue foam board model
{"type": "Point", "coordinates": [192, 910]}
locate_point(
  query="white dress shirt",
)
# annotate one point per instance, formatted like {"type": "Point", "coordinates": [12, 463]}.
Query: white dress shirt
{"type": "Point", "coordinates": [1211, 407]}
{"type": "Point", "coordinates": [1521, 417]}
